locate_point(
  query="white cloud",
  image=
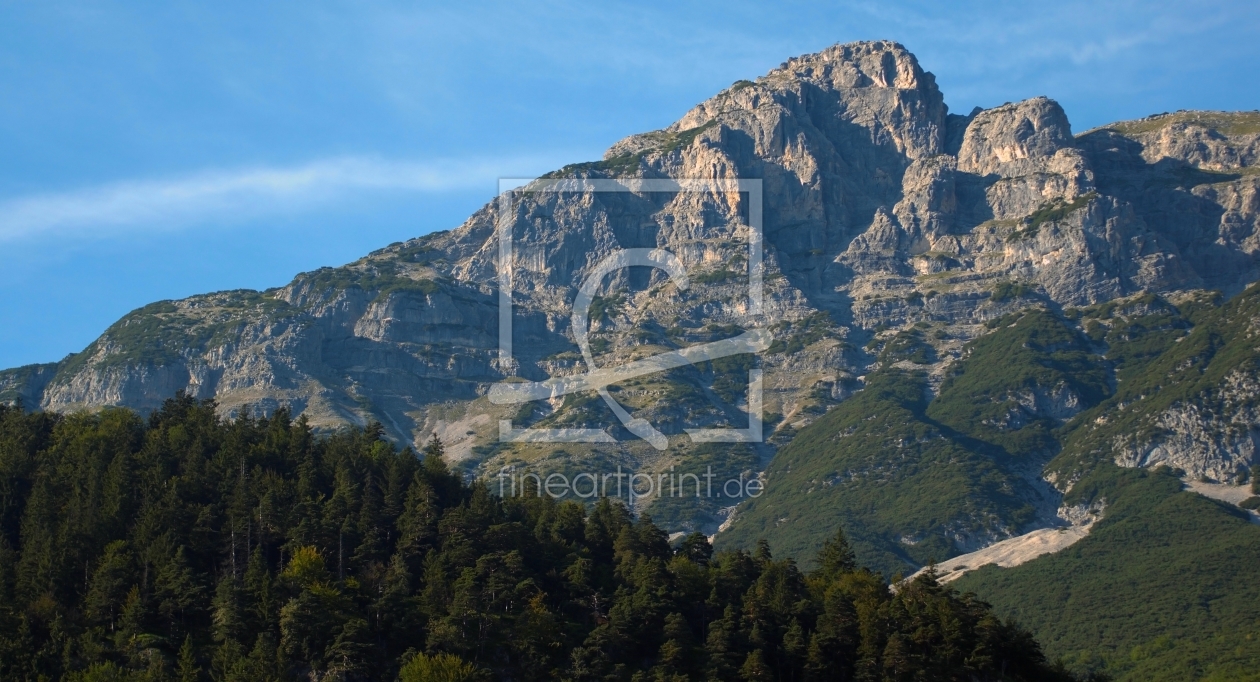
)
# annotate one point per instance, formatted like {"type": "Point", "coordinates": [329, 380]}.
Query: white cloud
{"type": "Point", "coordinates": [246, 193]}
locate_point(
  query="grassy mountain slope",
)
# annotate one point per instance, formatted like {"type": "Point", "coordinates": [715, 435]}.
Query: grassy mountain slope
{"type": "Point", "coordinates": [1208, 372]}
{"type": "Point", "coordinates": [869, 465]}
{"type": "Point", "coordinates": [1163, 588]}
{"type": "Point", "coordinates": [911, 480]}
{"type": "Point", "coordinates": [1004, 390]}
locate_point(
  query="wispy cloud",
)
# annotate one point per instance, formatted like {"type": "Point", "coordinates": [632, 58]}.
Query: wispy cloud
{"type": "Point", "coordinates": [235, 195]}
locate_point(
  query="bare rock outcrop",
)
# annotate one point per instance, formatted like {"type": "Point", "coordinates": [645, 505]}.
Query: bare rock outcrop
{"type": "Point", "coordinates": [1014, 137]}
{"type": "Point", "coordinates": [1214, 437]}
{"type": "Point", "coordinates": [881, 210]}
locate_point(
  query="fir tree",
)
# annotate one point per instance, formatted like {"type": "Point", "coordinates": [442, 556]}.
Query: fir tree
{"type": "Point", "coordinates": [251, 549]}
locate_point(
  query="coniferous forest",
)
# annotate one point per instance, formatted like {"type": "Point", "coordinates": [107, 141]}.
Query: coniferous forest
{"type": "Point", "coordinates": [183, 546]}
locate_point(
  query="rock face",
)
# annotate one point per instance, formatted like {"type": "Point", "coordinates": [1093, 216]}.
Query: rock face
{"type": "Point", "coordinates": [1211, 436]}
{"type": "Point", "coordinates": [881, 211]}
{"type": "Point", "coordinates": [1203, 444]}
{"type": "Point", "coordinates": [1014, 137]}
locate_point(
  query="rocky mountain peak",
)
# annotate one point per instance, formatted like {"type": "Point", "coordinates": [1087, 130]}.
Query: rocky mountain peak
{"type": "Point", "coordinates": [1032, 129]}
{"type": "Point", "coordinates": [871, 227]}
{"type": "Point", "coordinates": [877, 86]}
{"type": "Point", "coordinates": [867, 64]}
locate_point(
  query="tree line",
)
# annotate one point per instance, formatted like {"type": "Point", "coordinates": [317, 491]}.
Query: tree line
{"type": "Point", "coordinates": [185, 546]}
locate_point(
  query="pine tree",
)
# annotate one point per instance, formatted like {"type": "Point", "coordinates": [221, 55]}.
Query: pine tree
{"type": "Point", "coordinates": [187, 669]}
{"type": "Point", "coordinates": [177, 591]}
{"type": "Point", "coordinates": [382, 554]}
{"type": "Point", "coordinates": [833, 645]}
{"type": "Point", "coordinates": [754, 668]}
{"type": "Point", "coordinates": [722, 649]}
{"type": "Point", "coordinates": [836, 557]}
{"type": "Point", "coordinates": [677, 653]}
{"type": "Point", "coordinates": [417, 525]}
{"type": "Point", "coordinates": [259, 592]}
{"type": "Point", "coordinates": [227, 615]}
{"type": "Point", "coordinates": [696, 547]}
{"type": "Point", "coordinates": [111, 581]}
{"type": "Point", "coordinates": [762, 553]}
{"type": "Point", "coordinates": [794, 650]}
{"type": "Point", "coordinates": [438, 668]}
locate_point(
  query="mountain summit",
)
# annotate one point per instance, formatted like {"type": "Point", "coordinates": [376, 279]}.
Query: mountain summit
{"type": "Point", "coordinates": [883, 213]}
{"type": "Point", "coordinates": [986, 338]}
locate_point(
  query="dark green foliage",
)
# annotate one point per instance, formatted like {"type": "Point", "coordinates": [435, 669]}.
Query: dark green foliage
{"type": "Point", "coordinates": [1051, 212]}
{"type": "Point", "coordinates": [683, 138]}
{"type": "Point", "coordinates": [688, 510]}
{"type": "Point", "coordinates": [419, 250]}
{"type": "Point", "coordinates": [628, 163]}
{"type": "Point", "coordinates": [1160, 589]}
{"type": "Point", "coordinates": [1136, 331]}
{"type": "Point", "coordinates": [579, 410]}
{"type": "Point", "coordinates": [382, 278]}
{"type": "Point", "coordinates": [1190, 371]}
{"type": "Point", "coordinates": [719, 275]}
{"type": "Point", "coordinates": [439, 668]}
{"type": "Point", "coordinates": [730, 376]}
{"type": "Point", "coordinates": [163, 333]}
{"type": "Point", "coordinates": [877, 464]}
{"type": "Point", "coordinates": [1009, 291]}
{"type": "Point", "coordinates": [160, 333]}
{"type": "Point", "coordinates": [903, 474]}
{"type": "Point", "coordinates": [1163, 588]}
{"type": "Point", "coordinates": [16, 384]}
{"type": "Point", "coordinates": [908, 345]}
{"type": "Point", "coordinates": [792, 337]}
{"type": "Point", "coordinates": [1030, 356]}
{"type": "Point", "coordinates": [603, 307]}
{"type": "Point", "coordinates": [184, 547]}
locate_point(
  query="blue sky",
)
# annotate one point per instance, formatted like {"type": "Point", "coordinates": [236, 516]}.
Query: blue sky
{"type": "Point", "coordinates": [158, 150]}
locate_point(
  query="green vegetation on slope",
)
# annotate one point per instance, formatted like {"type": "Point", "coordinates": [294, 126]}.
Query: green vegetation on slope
{"type": "Point", "coordinates": [1192, 371]}
{"type": "Point", "coordinates": [897, 482]}
{"type": "Point", "coordinates": [628, 163]}
{"type": "Point", "coordinates": [1163, 588]}
{"type": "Point", "coordinates": [1050, 212]}
{"type": "Point", "coordinates": [793, 337]}
{"type": "Point", "coordinates": [1226, 122]}
{"type": "Point", "coordinates": [162, 333]}
{"type": "Point", "coordinates": [906, 478]}
{"type": "Point", "coordinates": [1033, 357]}
{"type": "Point", "coordinates": [382, 277]}
{"type": "Point", "coordinates": [1134, 331]}
{"type": "Point", "coordinates": [21, 384]}
{"type": "Point", "coordinates": [183, 547]}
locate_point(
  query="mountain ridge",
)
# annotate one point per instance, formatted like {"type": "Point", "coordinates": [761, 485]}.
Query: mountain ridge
{"type": "Point", "coordinates": [983, 325]}
{"type": "Point", "coordinates": [884, 212]}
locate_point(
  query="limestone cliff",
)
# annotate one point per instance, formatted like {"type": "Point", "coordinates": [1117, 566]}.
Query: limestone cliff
{"type": "Point", "coordinates": [882, 211]}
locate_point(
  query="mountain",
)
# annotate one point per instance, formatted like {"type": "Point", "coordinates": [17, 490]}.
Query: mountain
{"type": "Point", "coordinates": [981, 329]}
{"type": "Point", "coordinates": [885, 217]}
